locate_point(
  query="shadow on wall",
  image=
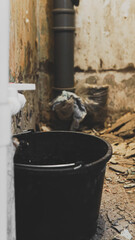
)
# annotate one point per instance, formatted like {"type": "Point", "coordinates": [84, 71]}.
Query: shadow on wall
{"type": "Point", "coordinates": [44, 79]}
{"type": "Point", "coordinates": [46, 47]}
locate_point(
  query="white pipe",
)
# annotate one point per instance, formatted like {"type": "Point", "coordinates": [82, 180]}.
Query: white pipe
{"type": "Point", "coordinates": [17, 100]}
{"type": "Point", "coordinates": [3, 193]}
{"type": "Point", "coordinates": [23, 86]}
{"type": "Point", "coordinates": [4, 113]}
{"type": "Point", "coordinates": [4, 49]}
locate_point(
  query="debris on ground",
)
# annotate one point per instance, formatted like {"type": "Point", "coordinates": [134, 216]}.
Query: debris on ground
{"type": "Point", "coordinates": [130, 150]}
{"type": "Point", "coordinates": [118, 198]}
{"type": "Point", "coordinates": [92, 132]}
{"type": "Point", "coordinates": [111, 138]}
{"type": "Point", "coordinates": [129, 185]}
{"type": "Point", "coordinates": [68, 106]}
{"type": "Point", "coordinates": [44, 128]}
{"type": "Point", "coordinates": [120, 169]}
{"type": "Point", "coordinates": [125, 126]}
{"type": "Point", "coordinates": [128, 130]}
{"type": "Point", "coordinates": [119, 237]}
{"type": "Point", "coordinates": [125, 233]}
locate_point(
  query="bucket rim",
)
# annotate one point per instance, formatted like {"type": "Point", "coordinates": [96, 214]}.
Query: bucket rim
{"type": "Point", "coordinates": [65, 167]}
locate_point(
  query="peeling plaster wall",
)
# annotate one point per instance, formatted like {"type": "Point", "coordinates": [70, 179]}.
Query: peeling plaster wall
{"type": "Point", "coordinates": [104, 44]}
{"type": "Point", "coordinates": [45, 57]}
{"type": "Point", "coordinates": [31, 57]}
{"type": "Point", "coordinates": [105, 33]}
{"type": "Point", "coordinates": [23, 39]}
{"type": "Point", "coordinates": [121, 90]}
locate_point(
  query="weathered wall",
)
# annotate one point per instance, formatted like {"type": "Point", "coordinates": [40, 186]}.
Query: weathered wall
{"type": "Point", "coordinates": [104, 44]}
{"type": "Point", "coordinates": [31, 56]}
{"type": "Point", "coordinates": [23, 39]}
{"type": "Point", "coordinates": [45, 57]}
{"type": "Point", "coordinates": [105, 34]}
{"type": "Point", "coordinates": [104, 54]}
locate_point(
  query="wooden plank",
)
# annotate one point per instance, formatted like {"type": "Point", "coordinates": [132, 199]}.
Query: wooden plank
{"type": "Point", "coordinates": [121, 122]}
{"type": "Point", "coordinates": [128, 130]}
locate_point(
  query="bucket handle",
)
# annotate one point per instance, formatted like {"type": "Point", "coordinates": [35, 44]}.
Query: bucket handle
{"type": "Point", "coordinates": [75, 166]}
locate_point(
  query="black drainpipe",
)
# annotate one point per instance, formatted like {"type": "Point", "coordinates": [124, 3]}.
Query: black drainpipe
{"type": "Point", "coordinates": [64, 27]}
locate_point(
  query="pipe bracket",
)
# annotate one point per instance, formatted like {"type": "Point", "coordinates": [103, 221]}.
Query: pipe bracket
{"type": "Point", "coordinates": [64, 89]}
{"type": "Point", "coordinates": [63, 10]}
{"type": "Point", "coordinates": [64, 28]}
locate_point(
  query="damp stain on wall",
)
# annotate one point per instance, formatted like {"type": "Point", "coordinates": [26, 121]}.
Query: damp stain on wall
{"type": "Point", "coordinates": [31, 53]}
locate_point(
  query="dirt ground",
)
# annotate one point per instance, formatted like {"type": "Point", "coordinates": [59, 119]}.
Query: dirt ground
{"type": "Point", "coordinates": [117, 213]}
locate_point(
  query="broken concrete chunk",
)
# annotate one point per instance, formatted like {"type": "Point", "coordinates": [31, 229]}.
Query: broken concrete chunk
{"type": "Point", "coordinates": [131, 192]}
{"type": "Point", "coordinates": [131, 177]}
{"type": "Point", "coordinates": [131, 171]}
{"type": "Point", "coordinates": [111, 138]}
{"type": "Point", "coordinates": [130, 150]}
{"type": "Point", "coordinates": [131, 174]}
{"type": "Point", "coordinates": [114, 217]}
{"type": "Point", "coordinates": [44, 128]}
{"type": "Point", "coordinates": [121, 225]}
{"type": "Point", "coordinates": [121, 122]}
{"type": "Point", "coordinates": [118, 159]}
{"type": "Point", "coordinates": [120, 181]}
{"type": "Point", "coordinates": [113, 161]}
{"type": "Point", "coordinates": [119, 237]}
{"type": "Point", "coordinates": [120, 149]}
{"type": "Point", "coordinates": [118, 168]}
{"type": "Point", "coordinates": [126, 161]}
{"type": "Point", "coordinates": [128, 130]}
{"type": "Point", "coordinates": [108, 179]}
{"type": "Point", "coordinates": [118, 228]}
{"type": "Point", "coordinates": [131, 145]}
{"type": "Point", "coordinates": [129, 185]}
{"type": "Point", "coordinates": [125, 233]}
{"type": "Point", "coordinates": [121, 207]}
{"type": "Point", "coordinates": [130, 153]}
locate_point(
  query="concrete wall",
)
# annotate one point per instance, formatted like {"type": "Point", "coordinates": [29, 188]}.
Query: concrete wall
{"type": "Point", "coordinates": [104, 48]}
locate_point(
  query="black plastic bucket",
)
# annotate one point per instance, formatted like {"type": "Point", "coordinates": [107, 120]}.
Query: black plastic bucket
{"type": "Point", "coordinates": [58, 184]}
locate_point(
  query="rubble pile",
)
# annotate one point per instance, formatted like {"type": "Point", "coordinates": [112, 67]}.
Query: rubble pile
{"type": "Point", "coordinates": [117, 214]}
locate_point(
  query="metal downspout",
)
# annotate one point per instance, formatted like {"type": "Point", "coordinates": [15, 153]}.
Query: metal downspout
{"type": "Point", "coordinates": [64, 27]}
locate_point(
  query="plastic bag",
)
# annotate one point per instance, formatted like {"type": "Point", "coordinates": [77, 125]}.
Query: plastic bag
{"type": "Point", "coordinates": [69, 106]}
